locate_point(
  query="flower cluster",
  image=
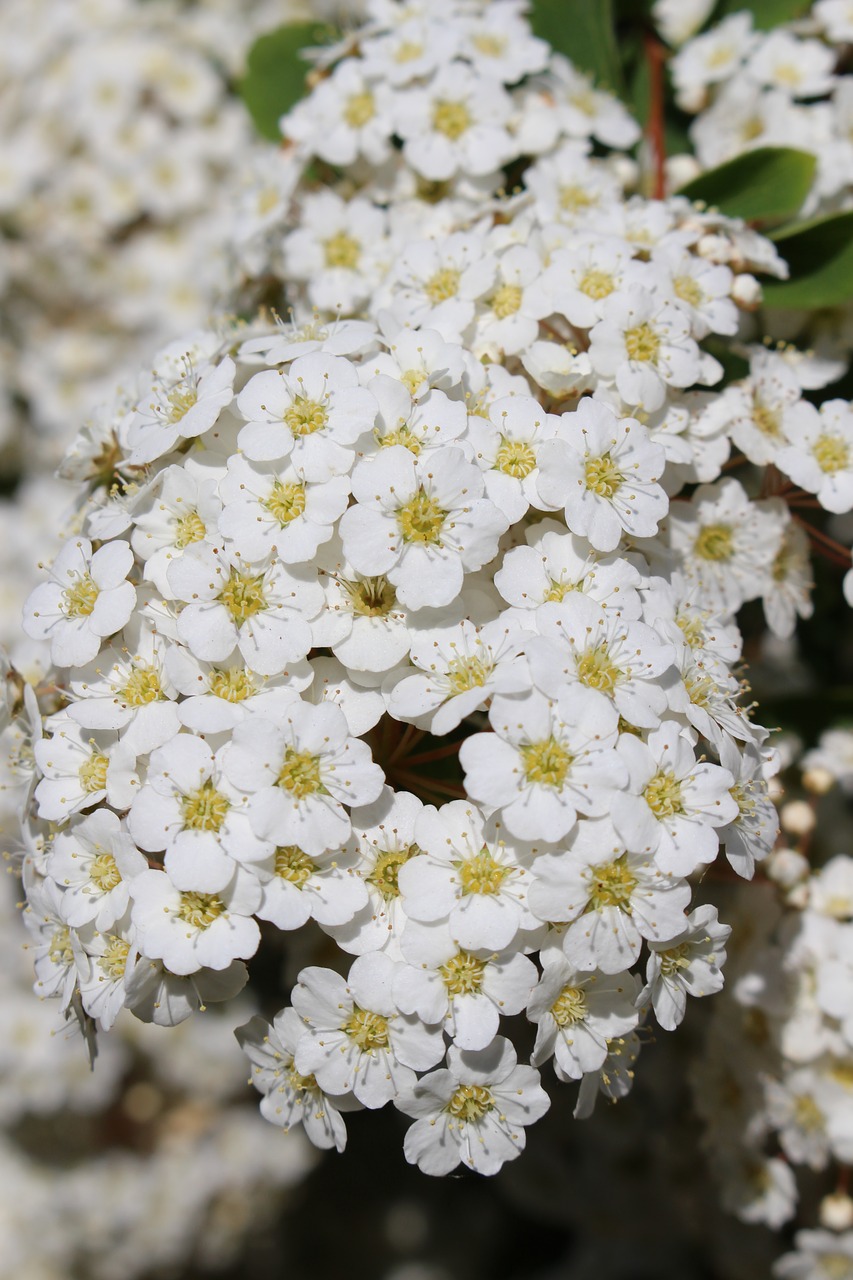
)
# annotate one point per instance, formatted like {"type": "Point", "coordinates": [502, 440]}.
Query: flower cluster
{"type": "Point", "coordinates": [410, 624]}
{"type": "Point", "coordinates": [779, 1047]}
{"type": "Point", "coordinates": [119, 123]}
{"type": "Point", "coordinates": [783, 87]}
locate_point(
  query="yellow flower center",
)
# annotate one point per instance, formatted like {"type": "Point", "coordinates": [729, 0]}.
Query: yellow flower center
{"type": "Point", "coordinates": [286, 502]}
{"type": "Point", "coordinates": [766, 420]}
{"type": "Point", "coordinates": [114, 960]}
{"type": "Point", "coordinates": [574, 198]}
{"type": "Point", "coordinates": [462, 975]}
{"type": "Point", "coordinates": [506, 300]}
{"type": "Point", "coordinates": [342, 251]}
{"type": "Point", "coordinates": [402, 436]}
{"type": "Point", "coordinates": [451, 118]}
{"type": "Point", "coordinates": [674, 959]}
{"type": "Point", "coordinates": [597, 284]}
{"type": "Point", "coordinates": [831, 453]}
{"type": "Point", "coordinates": [663, 795]}
{"type": "Point", "coordinates": [93, 773]}
{"type": "Point", "coordinates": [205, 809]}
{"type": "Point", "coordinates": [181, 400]}
{"type": "Point", "coordinates": [104, 873]}
{"type": "Point", "coordinates": [515, 458]}
{"type": "Point", "coordinates": [386, 870]}
{"type": "Point", "coordinates": [559, 590]}
{"type": "Point", "coordinates": [200, 909]}
{"type": "Point", "coordinates": [371, 597]}
{"type": "Point", "coordinates": [491, 46]}
{"type": "Point", "coordinates": [470, 1103]}
{"type": "Point", "coordinates": [808, 1115]}
{"type": "Point", "coordinates": [408, 51]}
{"type": "Point", "coordinates": [78, 600]}
{"type": "Point", "coordinates": [360, 107]}
{"type": "Point", "coordinates": [692, 628]}
{"type": "Point", "coordinates": [642, 343]}
{"type": "Point", "coordinates": [482, 874]}
{"type": "Point", "coordinates": [142, 687]}
{"type": "Point", "coordinates": [836, 1266]}
{"type": "Point", "coordinates": [546, 763]}
{"type": "Point", "coordinates": [596, 669]}
{"type": "Point", "coordinates": [603, 476]}
{"type": "Point", "coordinates": [468, 673]}
{"type": "Point", "coordinates": [443, 285]}
{"type": "Point", "coordinates": [715, 542]}
{"type": "Point", "coordinates": [413, 379]}
{"type": "Point", "coordinates": [233, 685]}
{"type": "Point", "coordinates": [688, 291]}
{"type": "Point", "coordinates": [569, 1007]}
{"type": "Point", "coordinates": [612, 885]}
{"type": "Point", "coordinates": [305, 416]}
{"type": "Point", "coordinates": [421, 519]}
{"type": "Point", "coordinates": [60, 951]}
{"type": "Point", "coordinates": [243, 595]}
{"type": "Point", "coordinates": [292, 864]}
{"type": "Point", "coordinates": [300, 773]}
{"type": "Point", "coordinates": [368, 1030]}
{"type": "Point", "coordinates": [190, 528]}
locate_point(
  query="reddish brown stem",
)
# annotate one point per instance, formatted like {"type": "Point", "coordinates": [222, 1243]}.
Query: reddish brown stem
{"type": "Point", "coordinates": [656, 128]}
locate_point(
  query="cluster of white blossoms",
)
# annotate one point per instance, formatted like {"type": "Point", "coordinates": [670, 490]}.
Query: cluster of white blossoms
{"type": "Point", "coordinates": [389, 625]}
{"type": "Point", "coordinates": [774, 1084]}
{"type": "Point", "coordinates": [787, 87]}
{"type": "Point", "coordinates": [119, 126]}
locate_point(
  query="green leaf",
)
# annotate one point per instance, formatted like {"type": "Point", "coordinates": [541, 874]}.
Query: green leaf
{"type": "Point", "coordinates": [765, 13]}
{"type": "Point", "coordinates": [820, 256]}
{"type": "Point", "coordinates": [765, 185]}
{"type": "Point", "coordinates": [584, 30]}
{"type": "Point", "coordinates": [275, 74]}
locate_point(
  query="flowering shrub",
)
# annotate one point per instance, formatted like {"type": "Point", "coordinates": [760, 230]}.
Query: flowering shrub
{"type": "Point", "coordinates": [409, 623]}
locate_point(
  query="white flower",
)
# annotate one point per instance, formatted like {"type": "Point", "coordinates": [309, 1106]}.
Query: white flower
{"type": "Point", "coordinates": [819, 1255]}
{"type": "Point", "coordinates": [179, 409]}
{"type": "Point", "coordinates": [557, 563]}
{"type": "Point", "coordinates": [456, 123]}
{"type": "Point", "coordinates": [673, 804]}
{"type": "Point", "coordinates": [467, 990]}
{"type": "Point", "coordinates": [507, 448]}
{"type": "Point", "coordinates": [726, 543]}
{"type": "Point", "coordinates": [312, 415]}
{"type": "Point", "coordinates": [271, 510]}
{"type": "Point", "coordinates": [468, 874]}
{"type": "Point", "coordinates": [465, 666]}
{"type": "Point", "coordinates": [356, 1039]}
{"type": "Point", "coordinates": [338, 251]}
{"type": "Point", "coordinates": [86, 599]}
{"type": "Point", "coordinates": [262, 608]}
{"type": "Point", "coordinates": [610, 898]}
{"type": "Point", "coordinates": [690, 963]}
{"type": "Point", "coordinates": [820, 455]}
{"type": "Point", "coordinates": [188, 930]}
{"type": "Point", "coordinates": [603, 472]}
{"type": "Point", "coordinates": [92, 859]}
{"type": "Point", "coordinates": [620, 661]}
{"type": "Point", "coordinates": [385, 836]}
{"type": "Point", "coordinates": [300, 773]}
{"type": "Point", "coordinates": [347, 116]}
{"type": "Point", "coordinates": [546, 762]}
{"type": "Point", "coordinates": [422, 523]}
{"type": "Point", "coordinates": [577, 1013]}
{"type": "Point", "coordinates": [190, 810]}
{"type": "Point", "coordinates": [181, 507]}
{"type": "Point", "coordinates": [131, 693]}
{"type": "Point", "coordinates": [801, 68]}
{"type": "Point", "coordinates": [296, 888]}
{"type": "Point", "coordinates": [217, 696]}
{"type": "Point", "coordinates": [80, 772]}
{"type": "Point", "coordinates": [290, 1098]}
{"type": "Point", "coordinates": [473, 1111]}
{"type": "Point", "coordinates": [644, 345]}
{"type": "Point", "coordinates": [426, 423]}
{"type": "Point", "coordinates": [508, 319]}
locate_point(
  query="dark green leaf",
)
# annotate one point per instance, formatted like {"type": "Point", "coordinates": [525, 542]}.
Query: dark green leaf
{"type": "Point", "coordinates": [820, 256]}
{"type": "Point", "coordinates": [275, 74]}
{"type": "Point", "coordinates": [765, 13]}
{"type": "Point", "coordinates": [584, 31]}
{"type": "Point", "coordinates": [765, 185]}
